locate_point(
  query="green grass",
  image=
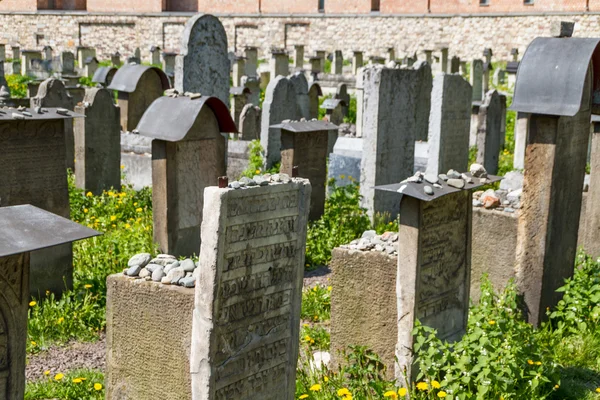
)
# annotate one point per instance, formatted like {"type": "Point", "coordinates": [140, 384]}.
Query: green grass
{"type": "Point", "coordinates": [74, 385]}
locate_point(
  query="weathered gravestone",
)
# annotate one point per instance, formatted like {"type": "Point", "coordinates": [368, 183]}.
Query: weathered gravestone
{"type": "Point", "coordinates": [357, 61]}
{"type": "Point", "coordinates": [23, 229]}
{"type": "Point", "coordinates": [245, 335]}
{"type": "Point", "coordinates": [238, 70]}
{"type": "Point", "coordinates": [68, 73]}
{"type": "Point", "coordinates": [280, 104]}
{"type": "Point", "coordinates": [477, 79]}
{"type": "Point", "coordinates": [28, 65]}
{"type": "Point", "coordinates": [251, 54]}
{"type": "Point", "coordinates": [555, 161]}
{"type": "Point", "coordinates": [449, 123]}
{"type": "Point", "coordinates": [489, 132]}
{"type": "Point", "coordinates": [188, 155]}
{"type": "Point", "coordinates": [279, 63]}
{"type": "Point", "coordinates": [83, 52]}
{"type": "Point", "coordinates": [591, 241]}
{"type": "Point", "coordinates": [52, 93]}
{"type": "Point", "coordinates": [90, 67]}
{"type": "Point", "coordinates": [521, 133]}
{"type": "Point", "coordinates": [240, 96]}
{"type": "Point", "coordinates": [344, 162]}
{"type": "Point", "coordinates": [299, 56]}
{"type": "Point", "coordinates": [169, 63]}
{"type": "Point", "coordinates": [455, 65]}
{"type": "Point", "coordinates": [342, 94]}
{"type": "Point", "coordinates": [338, 62]}
{"type": "Point", "coordinates": [250, 122]}
{"type": "Point", "coordinates": [334, 112]}
{"type": "Point", "coordinates": [305, 145]}
{"type": "Point", "coordinates": [115, 59]}
{"type": "Point", "coordinates": [98, 142]}
{"type": "Point", "coordinates": [155, 55]}
{"type": "Point", "coordinates": [2, 52]}
{"type": "Point", "coordinates": [393, 117]}
{"type": "Point", "coordinates": [302, 100]}
{"type": "Point", "coordinates": [314, 92]}
{"type": "Point", "coordinates": [203, 65]}
{"type": "Point", "coordinates": [137, 86]}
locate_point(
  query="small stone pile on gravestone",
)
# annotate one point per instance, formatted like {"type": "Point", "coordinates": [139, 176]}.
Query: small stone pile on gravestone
{"type": "Point", "coordinates": [245, 337]}
{"type": "Point", "coordinates": [98, 142]}
{"type": "Point", "coordinates": [489, 131]}
{"type": "Point", "coordinates": [203, 65]}
{"type": "Point", "coordinates": [188, 155]}
{"type": "Point", "coordinates": [23, 229]}
{"type": "Point", "coordinates": [304, 144]}
{"type": "Point", "coordinates": [137, 87]}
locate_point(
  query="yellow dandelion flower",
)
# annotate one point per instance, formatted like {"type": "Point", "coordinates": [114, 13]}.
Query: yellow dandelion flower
{"type": "Point", "coordinates": [85, 210]}
{"type": "Point", "coordinates": [441, 394]}
{"type": "Point", "coordinates": [316, 318]}
{"type": "Point", "coordinates": [556, 387]}
{"type": "Point", "coordinates": [88, 286]}
{"type": "Point", "coordinates": [530, 362]}
{"type": "Point", "coordinates": [122, 167]}
{"type": "Point", "coordinates": [402, 391]}
{"type": "Point", "coordinates": [32, 303]}
{"type": "Point", "coordinates": [325, 379]}
{"type": "Point", "coordinates": [112, 218]}
{"type": "Point", "coordinates": [98, 386]}
{"type": "Point", "coordinates": [61, 320]}
{"type": "Point", "coordinates": [304, 396]}
{"type": "Point", "coordinates": [538, 363]}
{"type": "Point", "coordinates": [127, 226]}
{"type": "Point", "coordinates": [138, 220]}
{"type": "Point", "coordinates": [46, 372]}
{"type": "Point", "coordinates": [33, 343]}
{"type": "Point", "coordinates": [307, 338]}
{"type": "Point", "coordinates": [390, 393]}
{"type": "Point", "coordinates": [343, 392]}
{"type": "Point", "coordinates": [89, 194]}
{"type": "Point", "coordinates": [329, 288]}
{"type": "Point", "coordinates": [422, 386]}
{"type": "Point", "coordinates": [598, 390]}
{"type": "Point", "coordinates": [77, 380]}
{"type": "Point", "coordinates": [257, 171]}
{"type": "Point", "coordinates": [315, 388]}
{"type": "Point", "coordinates": [59, 377]}
{"type": "Point", "coordinates": [492, 322]}
{"type": "Point", "coordinates": [111, 193]}
{"type": "Point", "coordinates": [139, 209]}
{"type": "Point", "coordinates": [135, 204]}
{"type": "Point", "coordinates": [435, 384]}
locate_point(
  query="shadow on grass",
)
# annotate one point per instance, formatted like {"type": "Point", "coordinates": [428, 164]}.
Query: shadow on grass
{"type": "Point", "coordinates": [577, 383]}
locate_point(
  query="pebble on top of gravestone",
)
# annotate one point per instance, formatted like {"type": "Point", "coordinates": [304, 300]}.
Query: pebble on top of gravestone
{"type": "Point", "coordinates": [203, 64]}
{"type": "Point", "coordinates": [188, 155]}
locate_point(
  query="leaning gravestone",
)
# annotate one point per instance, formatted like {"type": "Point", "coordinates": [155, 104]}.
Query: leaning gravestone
{"type": "Point", "coordinates": [489, 132]}
{"type": "Point", "coordinates": [98, 142]}
{"type": "Point", "coordinates": [246, 324]}
{"type": "Point", "coordinates": [449, 124]}
{"type": "Point", "coordinates": [203, 65]}
{"type": "Point", "coordinates": [188, 155]}
{"type": "Point", "coordinates": [23, 229]}
{"type": "Point", "coordinates": [250, 122]}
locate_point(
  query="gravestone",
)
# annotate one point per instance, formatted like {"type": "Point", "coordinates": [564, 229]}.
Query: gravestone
{"type": "Point", "coordinates": [155, 55]}
{"type": "Point", "coordinates": [33, 172]}
{"type": "Point", "coordinates": [280, 104]}
{"type": "Point", "coordinates": [98, 142]}
{"type": "Point", "coordinates": [240, 99]}
{"type": "Point", "coordinates": [203, 64]}
{"type": "Point", "coordinates": [333, 113]}
{"type": "Point", "coordinates": [250, 122]}
{"type": "Point", "coordinates": [115, 59]}
{"type": "Point", "coordinates": [344, 162]}
{"type": "Point", "coordinates": [245, 336]}
{"type": "Point", "coordinates": [424, 86]}
{"type": "Point", "coordinates": [477, 79]}
{"type": "Point", "coordinates": [487, 69]}
{"type": "Point", "coordinates": [67, 60]}
{"type": "Point", "coordinates": [28, 66]}
{"type": "Point", "coordinates": [90, 67]}
{"type": "Point", "coordinates": [251, 54]}
{"type": "Point", "coordinates": [104, 76]}
{"type": "Point", "coordinates": [16, 52]}
{"type": "Point", "coordinates": [47, 50]}
{"type": "Point", "coordinates": [357, 61]}
{"type": "Point", "coordinates": [264, 79]}
{"type": "Point", "coordinates": [239, 68]}
{"type": "Point", "coordinates": [314, 92]}
{"type": "Point", "coordinates": [591, 241]}
{"type": "Point", "coordinates": [169, 63]}
{"type": "Point", "coordinates": [52, 93]}
{"type": "Point", "coordinates": [521, 134]}
{"type": "Point", "coordinates": [23, 229]}
{"type": "Point", "coordinates": [455, 65]}
{"type": "Point", "coordinates": [83, 52]}
{"type": "Point", "coordinates": [342, 94]}
{"type": "Point", "coordinates": [253, 85]}
{"type": "Point", "coordinates": [503, 101]}
{"type": "Point", "coordinates": [391, 54]}
{"type": "Point", "coordinates": [489, 132]}
{"type": "Point", "coordinates": [393, 115]}
{"type": "Point", "coordinates": [137, 87]}
{"type": "Point", "coordinates": [305, 145]}
{"type": "Point", "coordinates": [299, 56]}
{"type": "Point", "coordinates": [188, 155]}
{"type": "Point", "coordinates": [279, 63]}
{"type": "Point", "coordinates": [444, 59]}
{"type": "Point", "coordinates": [2, 52]}
{"type": "Point", "coordinates": [302, 100]}
{"type": "Point", "coordinates": [360, 102]}
{"type": "Point", "coordinates": [449, 124]}
{"type": "Point", "coordinates": [338, 62]}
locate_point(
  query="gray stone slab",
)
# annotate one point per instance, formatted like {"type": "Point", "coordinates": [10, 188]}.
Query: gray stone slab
{"type": "Point", "coordinates": [489, 132]}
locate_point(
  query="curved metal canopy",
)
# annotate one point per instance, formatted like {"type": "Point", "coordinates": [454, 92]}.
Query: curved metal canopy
{"type": "Point", "coordinates": [101, 75]}
{"type": "Point", "coordinates": [171, 118]}
{"type": "Point", "coordinates": [552, 75]}
{"type": "Point", "coordinates": [128, 76]}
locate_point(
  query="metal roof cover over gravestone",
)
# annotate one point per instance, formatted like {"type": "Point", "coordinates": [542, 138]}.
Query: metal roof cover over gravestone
{"type": "Point", "coordinates": [137, 86]}
{"type": "Point", "coordinates": [280, 104]}
{"type": "Point", "coordinates": [98, 142]}
{"type": "Point", "coordinates": [449, 124]}
{"type": "Point", "coordinates": [304, 145]}
{"type": "Point", "coordinates": [203, 65]}
{"type": "Point", "coordinates": [245, 336]}
{"type": "Point", "coordinates": [391, 121]}
{"type": "Point", "coordinates": [23, 229]}
{"type": "Point", "coordinates": [188, 155]}
{"type": "Point", "coordinates": [554, 84]}
{"type": "Point", "coordinates": [32, 165]}
{"type": "Point", "coordinates": [104, 75]}
{"type": "Point", "coordinates": [489, 130]}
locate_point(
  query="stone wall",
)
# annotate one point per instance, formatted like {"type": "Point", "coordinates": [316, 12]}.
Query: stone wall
{"type": "Point", "coordinates": [466, 35]}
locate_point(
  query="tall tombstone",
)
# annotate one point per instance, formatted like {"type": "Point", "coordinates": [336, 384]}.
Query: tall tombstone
{"type": "Point", "coordinates": [155, 55]}
{"type": "Point", "coordinates": [591, 241]}
{"type": "Point", "coordinates": [238, 70]}
{"type": "Point", "coordinates": [299, 56]}
{"type": "Point", "coordinates": [203, 64]}
{"type": "Point", "coordinates": [169, 63]}
{"type": "Point", "coordinates": [188, 155]}
{"type": "Point", "coordinates": [391, 122]}
{"type": "Point", "coordinates": [315, 67]}
{"type": "Point", "coordinates": [137, 87]}
{"type": "Point", "coordinates": [487, 69]}
{"type": "Point", "coordinates": [342, 94]}
{"type": "Point", "coordinates": [98, 142]}
{"type": "Point", "coordinates": [444, 59]}
{"type": "Point", "coordinates": [357, 61]}
{"type": "Point", "coordinates": [67, 60]}
{"type": "Point", "coordinates": [304, 144]}
{"type": "Point", "coordinates": [455, 65]}
{"type": "Point", "coordinates": [91, 66]}
{"type": "Point", "coordinates": [360, 102]}
{"type": "Point", "coordinates": [52, 93]}
{"type": "Point", "coordinates": [33, 161]}
{"type": "Point", "coordinates": [83, 52]}
{"type": "Point", "coordinates": [250, 122]}
{"type": "Point", "coordinates": [489, 131]}
{"type": "Point", "coordinates": [477, 79]}
{"type": "Point", "coordinates": [424, 86]}
{"type": "Point", "coordinates": [391, 54]}
{"type": "Point", "coordinates": [322, 54]}
{"type": "Point", "coordinates": [521, 135]}
{"type": "Point", "coordinates": [115, 59]}
{"type": "Point", "coordinates": [314, 92]}
{"type": "Point", "coordinates": [251, 54]}
{"type": "Point", "coordinates": [338, 62]}
{"type": "Point", "coordinates": [555, 160]}
{"type": "Point", "coordinates": [245, 337]}
{"type": "Point", "coordinates": [23, 230]}
{"type": "Point", "coordinates": [28, 58]}
{"type": "Point", "coordinates": [280, 104]}
{"type": "Point", "coordinates": [503, 105]}
{"type": "Point", "coordinates": [449, 124]}
{"type": "Point", "coordinates": [2, 52]}
{"type": "Point", "coordinates": [47, 50]}
{"type": "Point", "coordinates": [16, 52]}
{"type": "Point", "coordinates": [279, 63]}
{"type": "Point", "coordinates": [240, 99]}
{"type": "Point", "coordinates": [302, 99]}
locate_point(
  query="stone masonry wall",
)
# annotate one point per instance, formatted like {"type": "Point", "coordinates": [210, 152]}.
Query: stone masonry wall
{"type": "Point", "coordinates": [466, 35]}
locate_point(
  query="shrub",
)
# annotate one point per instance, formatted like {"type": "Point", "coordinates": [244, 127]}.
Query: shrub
{"type": "Point", "coordinates": [18, 85]}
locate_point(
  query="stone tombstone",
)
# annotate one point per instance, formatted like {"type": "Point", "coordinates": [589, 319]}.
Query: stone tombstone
{"type": "Point", "coordinates": [28, 63]}
{"type": "Point", "coordinates": [33, 161]}
{"type": "Point", "coordinates": [67, 60]}
{"type": "Point", "coordinates": [591, 241]}
{"type": "Point", "coordinates": [357, 61]}
{"type": "Point", "coordinates": [115, 59]}
{"type": "Point", "coordinates": [47, 50]}
{"type": "Point", "coordinates": [444, 59]}
{"type": "Point", "coordinates": [155, 55]}
{"type": "Point", "coordinates": [428, 56]}
{"type": "Point", "coordinates": [279, 63]}
{"type": "Point", "coordinates": [239, 68]}
{"type": "Point", "coordinates": [264, 79]}
{"type": "Point", "coordinates": [16, 52]}
{"type": "Point", "coordinates": [280, 104]}
{"type": "Point", "coordinates": [304, 145]}
{"type": "Point", "coordinates": [4, 88]}
{"type": "Point", "coordinates": [302, 100]}
{"type": "Point", "coordinates": [91, 65]}
{"type": "Point", "coordinates": [338, 62]}
{"type": "Point", "coordinates": [52, 93]}
{"type": "Point", "coordinates": [314, 92]}
{"type": "Point", "coordinates": [342, 94]}
{"type": "Point", "coordinates": [2, 52]}
{"type": "Point", "coordinates": [104, 76]}
{"type": "Point", "coordinates": [203, 64]}
{"type": "Point", "coordinates": [514, 52]}
{"type": "Point", "coordinates": [251, 54]}
{"type": "Point", "coordinates": [503, 109]}
{"type": "Point", "coordinates": [315, 67]}
{"type": "Point", "coordinates": [487, 68]}
{"type": "Point", "coordinates": [425, 85]}
{"type": "Point", "coordinates": [360, 102]}
{"type": "Point", "coordinates": [521, 135]}
{"type": "Point", "coordinates": [188, 155]}
{"type": "Point", "coordinates": [555, 160]}
{"type": "Point", "coordinates": [344, 162]}
{"type": "Point", "coordinates": [299, 56]}
{"type": "Point", "coordinates": [449, 123]}
{"type": "Point", "coordinates": [18, 226]}
{"type": "Point", "coordinates": [333, 113]}
{"type": "Point", "coordinates": [240, 99]}
{"type": "Point", "coordinates": [250, 122]}
{"type": "Point", "coordinates": [83, 52]}
{"type": "Point", "coordinates": [477, 79]}
{"type": "Point", "coordinates": [245, 336]}
{"type": "Point", "coordinates": [169, 63]}
{"type": "Point", "coordinates": [137, 87]}
{"type": "Point", "coordinates": [455, 65]}
{"type": "Point", "coordinates": [98, 142]}
{"type": "Point", "coordinates": [489, 132]}
{"type": "Point", "coordinates": [322, 54]}
{"type": "Point", "coordinates": [253, 85]}
{"type": "Point", "coordinates": [392, 116]}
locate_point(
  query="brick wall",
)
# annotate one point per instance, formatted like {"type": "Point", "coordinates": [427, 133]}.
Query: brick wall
{"type": "Point", "coordinates": [228, 6]}
{"type": "Point", "coordinates": [130, 6]}
{"type": "Point", "coordinates": [18, 5]}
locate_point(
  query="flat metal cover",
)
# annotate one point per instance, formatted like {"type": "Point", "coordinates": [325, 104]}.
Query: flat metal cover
{"type": "Point", "coordinates": [331, 104]}
{"type": "Point", "coordinates": [239, 90]}
{"type": "Point", "coordinates": [552, 74]}
{"type": "Point", "coordinates": [128, 76]}
{"type": "Point", "coordinates": [29, 114]}
{"type": "Point", "coordinates": [305, 126]}
{"type": "Point", "coordinates": [27, 228]}
{"type": "Point", "coordinates": [171, 118]}
{"type": "Point", "coordinates": [417, 190]}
